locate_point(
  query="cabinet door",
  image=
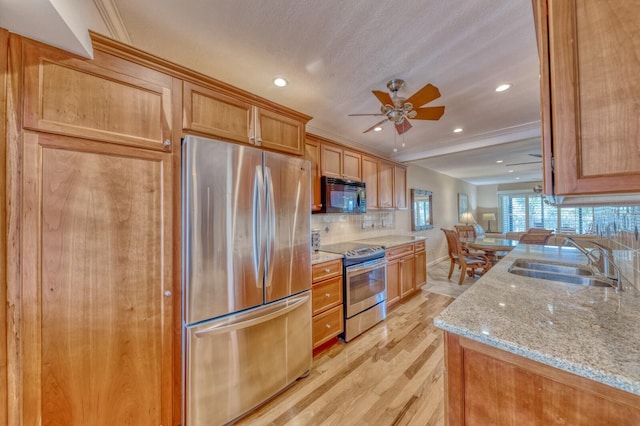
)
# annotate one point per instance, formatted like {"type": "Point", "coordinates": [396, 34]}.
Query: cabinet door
{"type": "Point", "coordinates": [393, 282]}
{"type": "Point", "coordinates": [408, 282]}
{"type": "Point", "coordinates": [312, 153]}
{"type": "Point", "coordinates": [385, 185]}
{"type": "Point", "coordinates": [213, 113]}
{"type": "Point", "coordinates": [331, 161]}
{"type": "Point", "coordinates": [421, 269]}
{"type": "Point", "coordinates": [96, 285]}
{"type": "Point", "coordinates": [370, 178]}
{"type": "Point", "coordinates": [594, 63]}
{"type": "Point", "coordinates": [352, 165]}
{"type": "Point", "coordinates": [96, 99]}
{"type": "Point", "coordinates": [400, 187]}
{"type": "Point", "coordinates": [278, 132]}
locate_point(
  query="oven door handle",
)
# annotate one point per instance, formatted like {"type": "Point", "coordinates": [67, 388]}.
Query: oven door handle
{"type": "Point", "coordinates": [367, 266]}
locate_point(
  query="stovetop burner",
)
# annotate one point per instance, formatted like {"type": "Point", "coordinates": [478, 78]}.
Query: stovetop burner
{"type": "Point", "coordinates": [355, 252]}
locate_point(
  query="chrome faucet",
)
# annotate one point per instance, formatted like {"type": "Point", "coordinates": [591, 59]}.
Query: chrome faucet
{"type": "Point", "coordinates": [590, 257]}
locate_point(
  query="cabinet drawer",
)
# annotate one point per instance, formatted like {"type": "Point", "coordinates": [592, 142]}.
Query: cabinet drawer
{"type": "Point", "coordinates": [419, 246]}
{"type": "Point", "coordinates": [326, 294]}
{"type": "Point", "coordinates": [398, 251]}
{"type": "Point", "coordinates": [322, 271]}
{"type": "Point", "coordinates": [327, 325]}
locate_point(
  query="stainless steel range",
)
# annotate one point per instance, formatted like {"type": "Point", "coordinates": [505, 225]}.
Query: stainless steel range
{"type": "Point", "coordinates": [365, 286]}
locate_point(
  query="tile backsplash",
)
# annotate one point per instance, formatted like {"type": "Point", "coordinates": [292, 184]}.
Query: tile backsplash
{"type": "Point", "coordinates": [337, 228]}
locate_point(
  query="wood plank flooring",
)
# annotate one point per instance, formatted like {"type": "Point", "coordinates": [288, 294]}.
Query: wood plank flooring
{"type": "Point", "coordinates": [390, 375]}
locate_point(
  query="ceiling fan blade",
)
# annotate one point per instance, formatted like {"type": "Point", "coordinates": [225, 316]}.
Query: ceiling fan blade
{"type": "Point", "coordinates": [429, 113]}
{"type": "Point", "coordinates": [374, 126]}
{"type": "Point", "coordinates": [360, 115]}
{"type": "Point", "coordinates": [520, 164]}
{"type": "Point", "coordinates": [403, 126]}
{"type": "Point", "coordinates": [383, 97]}
{"type": "Point", "coordinates": [424, 95]}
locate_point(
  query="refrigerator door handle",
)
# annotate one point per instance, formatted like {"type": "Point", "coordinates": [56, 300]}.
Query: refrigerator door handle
{"type": "Point", "coordinates": [292, 304]}
{"type": "Point", "coordinates": [259, 245]}
{"type": "Point", "coordinates": [271, 226]}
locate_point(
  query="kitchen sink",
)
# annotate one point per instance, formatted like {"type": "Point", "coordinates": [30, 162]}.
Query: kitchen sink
{"type": "Point", "coordinates": [561, 268]}
{"type": "Point", "coordinates": [559, 272]}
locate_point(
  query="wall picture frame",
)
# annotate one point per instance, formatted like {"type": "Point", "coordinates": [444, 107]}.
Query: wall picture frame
{"type": "Point", "coordinates": [463, 204]}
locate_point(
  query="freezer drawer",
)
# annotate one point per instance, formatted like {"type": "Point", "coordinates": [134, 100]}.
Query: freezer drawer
{"type": "Point", "coordinates": [238, 362]}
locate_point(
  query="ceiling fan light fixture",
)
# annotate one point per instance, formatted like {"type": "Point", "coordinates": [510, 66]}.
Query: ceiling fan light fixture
{"type": "Point", "coordinates": [503, 87]}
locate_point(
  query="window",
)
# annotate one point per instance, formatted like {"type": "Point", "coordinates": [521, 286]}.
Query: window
{"type": "Point", "coordinates": [520, 212]}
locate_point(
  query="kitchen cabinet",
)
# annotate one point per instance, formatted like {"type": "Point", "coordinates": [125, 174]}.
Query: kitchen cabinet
{"type": "Point", "coordinates": [106, 99]}
{"type": "Point", "coordinates": [212, 112]}
{"type": "Point", "coordinates": [589, 61]}
{"type": "Point", "coordinates": [405, 270]}
{"type": "Point", "coordinates": [400, 187]}
{"type": "Point", "coordinates": [370, 178]}
{"type": "Point", "coordinates": [486, 385]}
{"type": "Point", "coordinates": [385, 185]}
{"type": "Point", "coordinates": [92, 223]}
{"type": "Point", "coordinates": [341, 163]}
{"type": "Point", "coordinates": [326, 301]}
{"type": "Point", "coordinates": [420, 264]}
{"type": "Point", "coordinates": [312, 154]}
{"type": "Point", "coordinates": [4, 76]}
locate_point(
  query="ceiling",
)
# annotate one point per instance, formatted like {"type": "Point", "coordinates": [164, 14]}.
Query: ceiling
{"type": "Point", "coordinates": [334, 53]}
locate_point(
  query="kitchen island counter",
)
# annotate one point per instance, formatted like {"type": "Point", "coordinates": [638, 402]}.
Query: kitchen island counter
{"type": "Point", "coordinates": [588, 331]}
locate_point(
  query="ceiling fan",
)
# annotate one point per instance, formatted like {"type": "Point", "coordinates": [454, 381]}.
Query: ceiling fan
{"type": "Point", "coordinates": [398, 109]}
{"type": "Point", "coordinates": [527, 162]}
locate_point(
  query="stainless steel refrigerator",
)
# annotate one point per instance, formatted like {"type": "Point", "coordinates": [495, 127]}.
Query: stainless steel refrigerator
{"type": "Point", "coordinates": [246, 277]}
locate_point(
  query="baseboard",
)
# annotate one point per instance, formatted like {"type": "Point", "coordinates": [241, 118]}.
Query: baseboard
{"type": "Point", "coordinates": [438, 260]}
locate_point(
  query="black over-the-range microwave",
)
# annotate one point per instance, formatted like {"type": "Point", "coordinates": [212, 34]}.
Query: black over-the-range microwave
{"type": "Point", "coordinates": [342, 196]}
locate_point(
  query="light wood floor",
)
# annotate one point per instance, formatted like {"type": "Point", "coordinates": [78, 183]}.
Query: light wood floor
{"type": "Point", "coordinates": [390, 375]}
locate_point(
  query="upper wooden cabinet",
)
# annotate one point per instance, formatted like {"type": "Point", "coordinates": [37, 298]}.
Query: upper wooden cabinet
{"type": "Point", "coordinates": [385, 185]}
{"type": "Point", "coordinates": [211, 112]}
{"type": "Point", "coordinates": [370, 178]}
{"type": "Point", "coordinates": [590, 83]}
{"type": "Point", "coordinates": [400, 187]}
{"type": "Point", "coordinates": [107, 99]}
{"type": "Point", "coordinates": [312, 153]}
{"type": "Point", "coordinates": [341, 163]}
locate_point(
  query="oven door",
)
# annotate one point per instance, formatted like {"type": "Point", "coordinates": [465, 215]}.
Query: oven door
{"type": "Point", "coordinates": [365, 285]}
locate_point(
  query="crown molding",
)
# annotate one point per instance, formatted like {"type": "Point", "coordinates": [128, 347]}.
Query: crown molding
{"type": "Point", "coordinates": [112, 19]}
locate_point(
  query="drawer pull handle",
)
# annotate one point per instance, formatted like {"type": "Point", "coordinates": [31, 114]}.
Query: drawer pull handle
{"type": "Point", "coordinates": [327, 295]}
{"type": "Point", "coordinates": [328, 325]}
{"type": "Point", "coordinates": [327, 270]}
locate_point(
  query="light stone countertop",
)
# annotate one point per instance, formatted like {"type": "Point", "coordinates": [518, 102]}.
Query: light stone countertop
{"type": "Point", "coordinates": [589, 331]}
{"type": "Point", "coordinates": [391, 240]}
{"type": "Point", "coordinates": [323, 256]}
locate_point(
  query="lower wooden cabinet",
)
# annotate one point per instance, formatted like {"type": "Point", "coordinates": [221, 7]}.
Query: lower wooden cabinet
{"type": "Point", "coordinates": [94, 308]}
{"type": "Point", "coordinates": [488, 386]}
{"type": "Point", "coordinates": [326, 301]}
{"type": "Point", "coordinates": [406, 270]}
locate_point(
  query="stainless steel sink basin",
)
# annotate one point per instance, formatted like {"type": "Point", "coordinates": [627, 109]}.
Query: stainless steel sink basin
{"type": "Point", "coordinates": [563, 278]}
{"type": "Point", "coordinates": [560, 272]}
{"type": "Point", "coordinates": [561, 268]}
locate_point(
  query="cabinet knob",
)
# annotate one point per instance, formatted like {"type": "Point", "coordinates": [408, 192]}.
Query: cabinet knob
{"type": "Point", "coordinates": [327, 270]}
{"type": "Point", "coordinates": [328, 325]}
{"type": "Point", "coordinates": [167, 293]}
{"type": "Point", "coordinates": [167, 142]}
{"type": "Point", "coordinates": [252, 138]}
{"type": "Point", "coordinates": [259, 140]}
{"type": "Point", "coordinates": [327, 295]}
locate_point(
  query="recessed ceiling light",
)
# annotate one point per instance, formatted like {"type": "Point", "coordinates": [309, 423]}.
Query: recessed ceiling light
{"type": "Point", "coordinates": [458, 130]}
{"type": "Point", "coordinates": [280, 82]}
{"type": "Point", "coordinates": [517, 178]}
{"type": "Point", "coordinates": [510, 171]}
{"type": "Point", "coordinates": [499, 161]}
{"type": "Point", "coordinates": [502, 87]}
{"type": "Point", "coordinates": [377, 129]}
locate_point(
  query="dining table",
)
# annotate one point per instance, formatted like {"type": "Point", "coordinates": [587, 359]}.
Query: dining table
{"type": "Point", "coordinates": [491, 246]}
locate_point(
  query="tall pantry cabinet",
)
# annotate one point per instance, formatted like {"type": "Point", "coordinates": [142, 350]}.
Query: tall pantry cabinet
{"type": "Point", "coordinates": [91, 154]}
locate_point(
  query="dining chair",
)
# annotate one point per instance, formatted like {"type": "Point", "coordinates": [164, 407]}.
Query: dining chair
{"type": "Point", "coordinates": [466, 231]}
{"type": "Point", "coordinates": [459, 256]}
{"type": "Point", "coordinates": [534, 238]}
